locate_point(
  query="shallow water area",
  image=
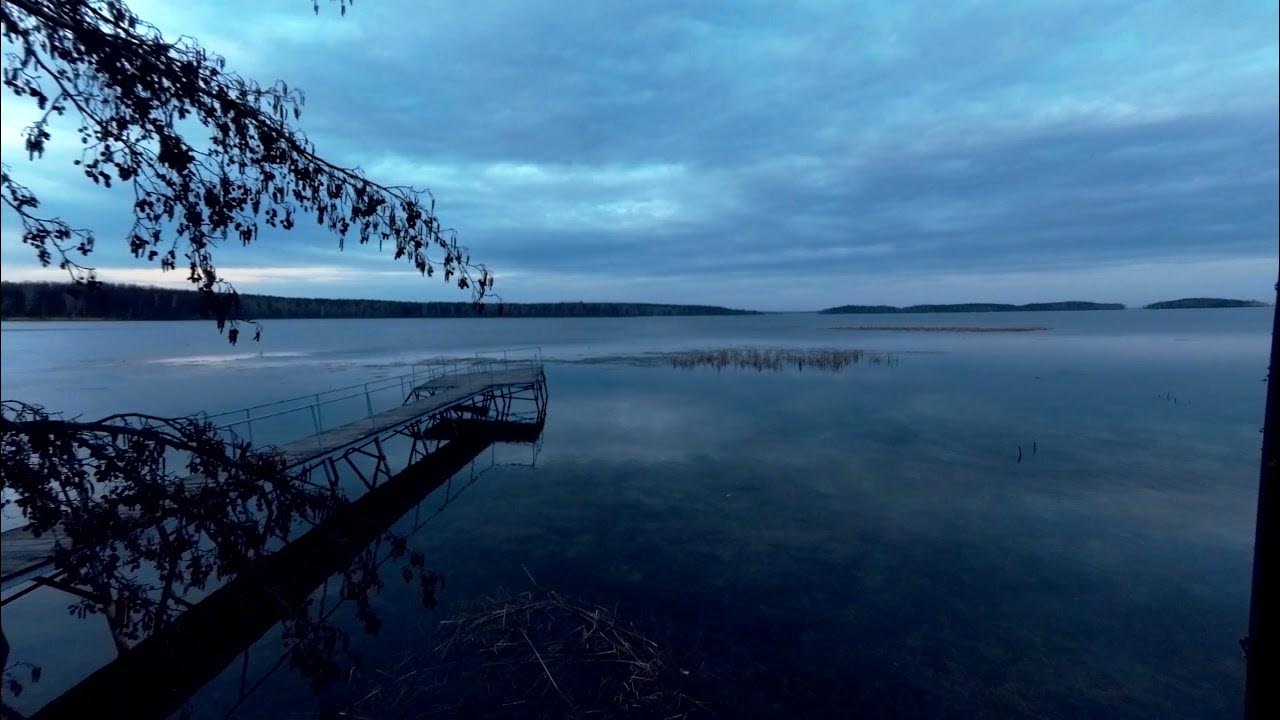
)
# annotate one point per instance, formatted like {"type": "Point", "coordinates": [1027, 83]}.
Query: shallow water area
{"type": "Point", "coordinates": [1056, 521]}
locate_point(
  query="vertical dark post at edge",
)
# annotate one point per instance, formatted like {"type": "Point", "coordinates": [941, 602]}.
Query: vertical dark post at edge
{"type": "Point", "coordinates": [1259, 694]}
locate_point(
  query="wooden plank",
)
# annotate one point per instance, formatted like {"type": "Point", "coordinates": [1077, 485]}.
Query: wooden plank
{"type": "Point", "coordinates": [450, 391]}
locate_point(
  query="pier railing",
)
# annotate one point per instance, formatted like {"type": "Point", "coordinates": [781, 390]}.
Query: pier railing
{"type": "Point", "coordinates": [310, 415]}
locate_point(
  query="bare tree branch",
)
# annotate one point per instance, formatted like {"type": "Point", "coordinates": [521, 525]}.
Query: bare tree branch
{"type": "Point", "coordinates": [139, 97]}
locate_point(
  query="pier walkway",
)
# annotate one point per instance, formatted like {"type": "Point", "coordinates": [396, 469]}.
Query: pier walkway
{"type": "Point", "coordinates": [341, 434]}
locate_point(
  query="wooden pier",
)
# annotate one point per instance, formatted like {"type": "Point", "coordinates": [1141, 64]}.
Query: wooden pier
{"type": "Point", "coordinates": [326, 438]}
{"type": "Point", "coordinates": [466, 393]}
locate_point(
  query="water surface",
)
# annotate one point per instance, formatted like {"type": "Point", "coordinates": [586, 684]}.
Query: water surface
{"type": "Point", "coordinates": [810, 543]}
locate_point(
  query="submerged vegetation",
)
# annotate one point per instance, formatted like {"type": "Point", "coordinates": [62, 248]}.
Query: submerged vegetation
{"type": "Point", "coordinates": [777, 359]}
{"type": "Point", "coordinates": [748, 358]}
{"type": "Point", "coordinates": [532, 654]}
{"type": "Point", "coordinates": [973, 307]}
{"type": "Point", "coordinates": [944, 328]}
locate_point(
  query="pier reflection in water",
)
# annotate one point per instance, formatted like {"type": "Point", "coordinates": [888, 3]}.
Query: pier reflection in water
{"type": "Point", "coordinates": [181, 616]}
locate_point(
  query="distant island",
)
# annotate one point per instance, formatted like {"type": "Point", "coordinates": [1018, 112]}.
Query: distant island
{"type": "Point", "coordinates": [67, 301]}
{"type": "Point", "coordinates": [1186, 303]}
{"type": "Point", "coordinates": [972, 307]}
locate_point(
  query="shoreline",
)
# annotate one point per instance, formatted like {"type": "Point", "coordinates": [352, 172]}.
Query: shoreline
{"type": "Point", "coordinates": [66, 319]}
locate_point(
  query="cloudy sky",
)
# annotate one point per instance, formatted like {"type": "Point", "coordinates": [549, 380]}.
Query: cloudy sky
{"type": "Point", "coordinates": [751, 155]}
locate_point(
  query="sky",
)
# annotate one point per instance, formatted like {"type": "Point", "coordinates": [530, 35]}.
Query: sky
{"type": "Point", "coordinates": [757, 154]}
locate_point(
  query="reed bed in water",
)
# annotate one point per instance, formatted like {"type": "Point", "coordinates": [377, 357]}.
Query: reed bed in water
{"type": "Point", "coordinates": [778, 359]}
{"type": "Point", "coordinates": [944, 328]}
{"type": "Point", "coordinates": [533, 654]}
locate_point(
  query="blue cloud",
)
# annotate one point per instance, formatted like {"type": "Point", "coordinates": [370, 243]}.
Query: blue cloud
{"type": "Point", "coordinates": [699, 152]}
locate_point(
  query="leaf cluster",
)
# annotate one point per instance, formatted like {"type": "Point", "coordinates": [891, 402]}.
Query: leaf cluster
{"type": "Point", "coordinates": [209, 157]}
{"type": "Point", "coordinates": [147, 511]}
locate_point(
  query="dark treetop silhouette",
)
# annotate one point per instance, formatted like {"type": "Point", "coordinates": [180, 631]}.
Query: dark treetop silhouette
{"type": "Point", "coordinates": [135, 95]}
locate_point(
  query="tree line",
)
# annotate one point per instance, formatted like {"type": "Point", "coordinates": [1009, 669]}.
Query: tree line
{"type": "Point", "coordinates": [1201, 302]}
{"type": "Point", "coordinates": [49, 301]}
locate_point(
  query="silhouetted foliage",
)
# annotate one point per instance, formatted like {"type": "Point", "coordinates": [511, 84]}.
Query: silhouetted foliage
{"type": "Point", "coordinates": [316, 645]}
{"type": "Point", "coordinates": [137, 528]}
{"type": "Point", "coordinates": [150, 511]}
{"type": "Point", "coordinates": [139, 98]}
{"type": "Point", "coordinates": [129, 302]}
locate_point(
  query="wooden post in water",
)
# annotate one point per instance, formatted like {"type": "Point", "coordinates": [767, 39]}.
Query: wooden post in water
{"type": "Point", "coordinates": [1260, 649]}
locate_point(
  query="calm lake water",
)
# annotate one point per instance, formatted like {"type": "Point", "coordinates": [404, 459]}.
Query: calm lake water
{"type": "Point", "coordinates": [804, 543]}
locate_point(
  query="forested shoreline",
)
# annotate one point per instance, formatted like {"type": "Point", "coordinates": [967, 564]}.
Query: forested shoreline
{"type": "Point", "coordinates": [1201, 303]}
{"type": "Point", "coordinates": [68, 301]}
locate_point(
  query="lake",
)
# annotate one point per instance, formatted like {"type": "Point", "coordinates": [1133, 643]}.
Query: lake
{"type": "Point", "coordinates": [804, 543]}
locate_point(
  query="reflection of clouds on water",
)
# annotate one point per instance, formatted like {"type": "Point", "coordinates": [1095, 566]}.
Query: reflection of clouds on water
{"type": "Point", "coordinates": [645, 427]}
{"type": "Point", "coordinates": [880, 510]}
{"type": "Point", "coordinates": [882, 552]}
{"type": "Point", "coordinates": [920, 456]}
{"type": "Point", "coordinates": [267, 357]}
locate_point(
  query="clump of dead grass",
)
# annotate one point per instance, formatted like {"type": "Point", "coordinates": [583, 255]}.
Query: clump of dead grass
{"type": "Point", "coordinates": [531, 655]}
{"type": "Point", "coordinates": [778, 359]}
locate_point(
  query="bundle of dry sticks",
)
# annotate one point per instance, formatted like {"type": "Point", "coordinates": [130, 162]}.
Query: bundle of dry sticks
{"type": "Point", "coordinates": [533, 654]}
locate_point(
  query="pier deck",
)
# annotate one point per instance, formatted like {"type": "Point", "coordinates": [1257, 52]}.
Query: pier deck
{"type": "Point", "coordinates": [428, 405]}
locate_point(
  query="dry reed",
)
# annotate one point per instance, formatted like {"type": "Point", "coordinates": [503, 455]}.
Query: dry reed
{"type": "Point", "coordinates": [778, 359]}
{"type": "Point", "coordinates": [534, 654]}
{"type": "Point", "coordinates": [944, 328]}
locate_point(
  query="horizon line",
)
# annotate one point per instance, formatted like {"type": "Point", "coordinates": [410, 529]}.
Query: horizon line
{"type": "Point", "coordinates": [500, 301]}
